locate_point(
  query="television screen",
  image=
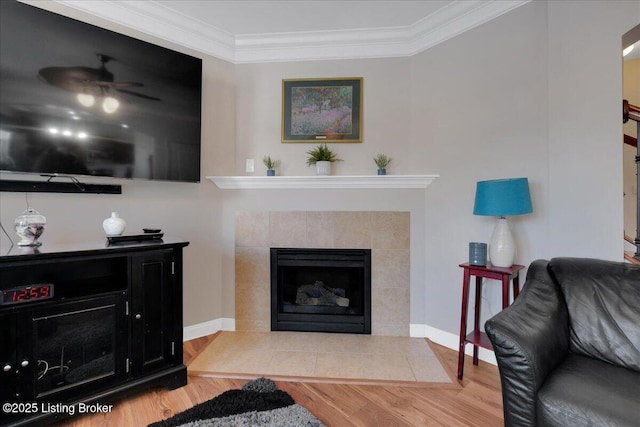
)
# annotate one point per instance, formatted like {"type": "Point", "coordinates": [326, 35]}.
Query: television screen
{"type": "Point", "coordinates": [76, 99]}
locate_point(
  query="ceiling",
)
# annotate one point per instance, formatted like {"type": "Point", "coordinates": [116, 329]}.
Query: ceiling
{"type": "Point", "coordinates": [269, 17]}
{"type": "Point", "coordinates": [271, 31]}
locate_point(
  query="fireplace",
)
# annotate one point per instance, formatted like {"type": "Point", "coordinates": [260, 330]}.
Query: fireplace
{"type": "Point", "coordinates": [321, 290]}
{"type": "Point", "coordinates": [386, 233]}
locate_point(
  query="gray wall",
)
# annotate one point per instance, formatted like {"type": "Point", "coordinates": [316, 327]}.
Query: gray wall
{"type": "Point", "coordinates": [498, 101]}
{"type": "Point", "coordinates": [535, 93]}
{"type": "Point", "coordinates": [386, 115]}
{"type": "Point", "coordinates": [479, 112]}
{"type": "Point", "coordinates": [585, 129]}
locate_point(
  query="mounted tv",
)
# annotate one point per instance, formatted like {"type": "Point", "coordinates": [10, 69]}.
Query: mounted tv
{"type": "Point", "coordinates": [76, 99]}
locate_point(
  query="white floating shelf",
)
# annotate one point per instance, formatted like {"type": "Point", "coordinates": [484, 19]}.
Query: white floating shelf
{"type": "Point", "coordinates": [331, 181]}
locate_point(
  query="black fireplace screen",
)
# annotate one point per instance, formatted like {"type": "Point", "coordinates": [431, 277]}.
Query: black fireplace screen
{"type": "Point", "coordinates": [321, 290]}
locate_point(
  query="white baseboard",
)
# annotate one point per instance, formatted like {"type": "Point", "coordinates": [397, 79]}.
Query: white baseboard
{"type": "Point", "coordinates": [208, 328]}
{"type": "Point", "coordinates": [449, 340]}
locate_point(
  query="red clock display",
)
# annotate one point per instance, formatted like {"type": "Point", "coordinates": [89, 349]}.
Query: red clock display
{"type": "Point", "coordinates": [27, 293]}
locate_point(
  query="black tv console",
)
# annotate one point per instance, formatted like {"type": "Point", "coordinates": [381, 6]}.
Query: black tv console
{"type": "Point", "coordinates": [87, 324]}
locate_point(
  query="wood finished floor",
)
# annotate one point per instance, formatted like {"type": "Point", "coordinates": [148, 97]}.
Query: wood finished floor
{"type": "Point", "coordinates": [476, 402]}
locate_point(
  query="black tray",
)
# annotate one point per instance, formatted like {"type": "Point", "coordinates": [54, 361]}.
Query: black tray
{"type": "Point", "coordinates": [135, 237]}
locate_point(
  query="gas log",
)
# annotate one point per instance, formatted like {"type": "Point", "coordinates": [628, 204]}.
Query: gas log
{"type": "Point", "coordinates": [321, 294]}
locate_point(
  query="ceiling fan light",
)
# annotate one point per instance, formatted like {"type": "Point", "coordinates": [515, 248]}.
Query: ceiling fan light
{"type": "Point", "coordinates": [86, 100]}
{"type": "Point", "coordinates": [110, 105]}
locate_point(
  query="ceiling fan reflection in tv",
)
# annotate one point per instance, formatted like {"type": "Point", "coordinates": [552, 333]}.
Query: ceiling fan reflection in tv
{"type": "Point", "coordinates": [94, 102]}
{"type": "Point", "coordinates": [90, 84]}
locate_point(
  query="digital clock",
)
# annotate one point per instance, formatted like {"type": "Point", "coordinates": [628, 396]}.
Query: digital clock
{"type": "Point", "coordinates": [27, 293]}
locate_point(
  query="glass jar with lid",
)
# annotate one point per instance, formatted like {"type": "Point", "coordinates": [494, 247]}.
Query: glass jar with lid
{"type": "Point", "coordinates": [29, 226]}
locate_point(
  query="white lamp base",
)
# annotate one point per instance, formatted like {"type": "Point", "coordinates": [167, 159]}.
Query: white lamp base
{"type": "Point", "coordinates": [502, 247]}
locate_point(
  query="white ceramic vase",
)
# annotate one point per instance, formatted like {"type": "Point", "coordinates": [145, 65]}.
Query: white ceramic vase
{"type": "Point", "coordinates": [114, 225]}
{"type": "Point", "coordinates": [323, 168]}
{"type": "Point", "coordinates": [502, 247]}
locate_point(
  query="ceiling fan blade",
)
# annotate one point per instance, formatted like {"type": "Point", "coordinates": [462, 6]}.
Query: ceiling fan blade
{"type": "Point", "coordinates": [70, 78]}
{"type": "Point", "coordinates": [140, 95]}
{"type": "Point", "coordinates": [118, 84]}
{"type": "Point", "coordinates": [92, 81]}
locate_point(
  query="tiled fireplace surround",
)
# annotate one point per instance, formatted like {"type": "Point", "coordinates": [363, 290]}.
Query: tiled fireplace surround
{"type": "Point", "coordinates": [386, 233]}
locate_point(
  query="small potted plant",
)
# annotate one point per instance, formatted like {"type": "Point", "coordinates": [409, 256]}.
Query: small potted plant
{"type": "Point", "coordinates": [271, 165]}
{"type": "Point", "coordinates": [382, 161]}
{"type": "Point", "coordinates": [322, 157]}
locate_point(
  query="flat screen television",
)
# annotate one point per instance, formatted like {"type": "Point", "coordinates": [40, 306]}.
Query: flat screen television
{"type": "Point", "coordinates": [76, 99]}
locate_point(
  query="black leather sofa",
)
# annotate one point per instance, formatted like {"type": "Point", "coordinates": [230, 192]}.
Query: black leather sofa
{"type": "Point", "coordinates": [568, 348]}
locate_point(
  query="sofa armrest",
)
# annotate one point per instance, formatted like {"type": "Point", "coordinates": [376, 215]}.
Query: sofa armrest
{"type": "Point", "coordinates": [530, 338]}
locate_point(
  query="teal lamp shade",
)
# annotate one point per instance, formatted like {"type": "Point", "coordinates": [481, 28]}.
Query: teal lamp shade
{"type": "Point", "coordinates": [503, 197]}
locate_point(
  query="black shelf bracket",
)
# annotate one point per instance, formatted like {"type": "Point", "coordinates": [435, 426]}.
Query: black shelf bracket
{"type": "Point", "coordinates": [49, 186]}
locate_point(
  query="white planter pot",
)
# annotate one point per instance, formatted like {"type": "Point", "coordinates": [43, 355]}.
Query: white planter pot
{"type": "Point", "coordinates": [114, 225]}
{"type": "Point", "coordinates": [323, 168]}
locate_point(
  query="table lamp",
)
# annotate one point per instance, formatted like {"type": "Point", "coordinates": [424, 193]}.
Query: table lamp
{"type": "Point", "coordinates": [501, 198]}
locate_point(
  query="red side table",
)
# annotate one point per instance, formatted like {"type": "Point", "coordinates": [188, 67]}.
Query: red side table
{"type": "Point", "coordinates": [476, 337]}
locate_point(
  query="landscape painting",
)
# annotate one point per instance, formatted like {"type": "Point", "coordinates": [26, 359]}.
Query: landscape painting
{"type": "Point", "coordinates": [328, 110]}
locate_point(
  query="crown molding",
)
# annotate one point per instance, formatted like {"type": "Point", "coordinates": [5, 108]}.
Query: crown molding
{"type": "Point", "coordinates": [156, 19]}
{"type": "Point", "coordinates": [455, 19]}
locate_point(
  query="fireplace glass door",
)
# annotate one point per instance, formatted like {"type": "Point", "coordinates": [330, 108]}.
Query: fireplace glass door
{"type": "Point", "coordinates": [321, 290]}
{"type": "Point", "coordinates": [76, 345]}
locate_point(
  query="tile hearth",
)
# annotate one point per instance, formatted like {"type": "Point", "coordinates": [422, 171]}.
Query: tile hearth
{"type": "Point", "coordinates": [321, 356]}
{"type": "Point", "coordinates": [386, 233]}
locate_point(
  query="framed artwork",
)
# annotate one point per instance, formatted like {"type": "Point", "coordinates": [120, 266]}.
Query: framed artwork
{"type": "Point", "coordinates": [327, 110]}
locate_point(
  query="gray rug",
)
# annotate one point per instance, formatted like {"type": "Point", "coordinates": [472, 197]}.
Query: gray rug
{"type": "Point", "coordinates": [259, 403]}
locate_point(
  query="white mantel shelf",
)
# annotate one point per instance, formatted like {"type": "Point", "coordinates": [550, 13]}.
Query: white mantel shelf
{"type": "Point", "coordinates": [320, 182]}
